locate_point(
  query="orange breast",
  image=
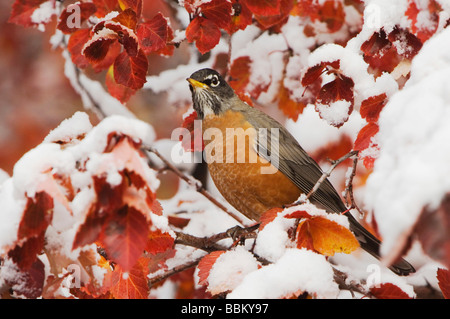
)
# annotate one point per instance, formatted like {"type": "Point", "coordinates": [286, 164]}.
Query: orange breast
{"type": "Point", "coordinates": [237, 170]}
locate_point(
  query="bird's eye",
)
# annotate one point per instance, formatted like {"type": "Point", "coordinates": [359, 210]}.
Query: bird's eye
{"type": "Point", "coordinates": [214, 81]}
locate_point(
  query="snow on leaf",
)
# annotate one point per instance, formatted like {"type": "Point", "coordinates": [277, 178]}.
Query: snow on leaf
{"type": "Point", "coordinates": [22, 11]}
{"type": "Point", "coordinates": [205, 265]}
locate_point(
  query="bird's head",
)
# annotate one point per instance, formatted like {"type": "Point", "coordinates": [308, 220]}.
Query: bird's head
{"type": "Point", "coordinates": [211, 94]}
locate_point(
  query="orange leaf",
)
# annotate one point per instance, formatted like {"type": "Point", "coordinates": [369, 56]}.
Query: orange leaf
{"type": "Point", "coordinates": [290, 108]}
{"type": "Point", "coordinates": [443, 276]}
{"type": "Point", "coordinates": [298, 214]}
{"type": "Point", "coordinates": [389, 291]}
{"type": "Point", "coordinates": [130, 284]}
{"type": "Point", "coordinates": [153, 34]}
{"type": "Point", "coordinates": [325, 236]}
{"type": "Point", "coordinates": [205, 265]}
{"type": "Point", "coordinates": [159, 242]}
{"type": "Point", "coordinates": [119, 91]}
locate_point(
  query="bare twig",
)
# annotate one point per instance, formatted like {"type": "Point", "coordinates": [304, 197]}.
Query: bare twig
{"type": "Point", "coordinates": [154, 280]}
{"type": "Point", "coordinates": [195, 183]}
{"type": "Point", "coordinates": [349, 189]}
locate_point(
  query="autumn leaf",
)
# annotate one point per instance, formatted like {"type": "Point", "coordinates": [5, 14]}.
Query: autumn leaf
{"type": "Point", "coordinates": [388, 291]}
{"type": "Point", "coordinates": [134, 5]}
{"type": "Point", "coordinates": [131, 71]}
{"type": "Point", "coordinates": [205, 265]}
{"type": "Point", "coordinates": [131, 284]}
{"type": "Point", "coordinates": [194, 142]}
{"type": "Point", "coordinates": [268, 216]}
{"type": "Point", "coordinates": [159, 242]}
{"type": "Point", "coordinates": [242, 16]}
{"type": "Point", "coordinates": [219, 12]}
{"type": "Point", "coordinates": [153, 34]}
{"type": "Point", "coordinates": [292, 109]}
{"type": "Point", "coordinates": [37, 216]}
{"type": "Point", "coordinates": [204, 32]}
{"type": "Point", "coordinates": [340, 88]}
{"type": "Point", "coordinates": [28, 283]}
{"type": "Point", "coordinates": [120, 92]}
{"type": "Point", "coordinates": [124, 236]}
{"type": "Point", "coordinates": [75, 46]}
{"type": "Point", "coordinates": [443, 276]}
{"type": "Point", "coordinates": [25, 254]}
{"type": "Point", "coordinates": [365, 135]}
{"type": "Point", "coordinates": [74, 15]}
{"type": "Point", "coordinates": [240, 74]}
{"type": "Point", "coordinates": [127, 18]}
{"type": "Point", "coordinates": [371, 107]}
{"type": "Point", "coordinates": [264, 7]}
{"type": "Point", "coordinates": [22, 11]}
{"type": "Point", "coordinates": [325, 236]}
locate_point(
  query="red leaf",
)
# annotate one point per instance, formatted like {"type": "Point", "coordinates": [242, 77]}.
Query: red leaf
{"type": "Point", "coordinates": [105, 6]}
{"type": "Point", "coordinates": [95, 51]}
{"type": "Point", "coordinates": [127, 18]}
{"type": "Point", "coordinates": [240, 74]}
{"type": "Point", "coordinates": [26, 254]}
{"type": "Point", "coordinates": [277, 20]}
{"type": "Point", "coordinates": [363, 140]}
{"type": "Point", "coordinates": [75, 46]}
{"type": "Point", "coordinates": [339, 89]}
{"type": "Point", "coordinates": [37, 216]}
{"type": "Point", "coordinates": [205, 265]}
{"type": "Point", "coordinates": [389, 291]}
{"type": "Point", "coordinates": [443, 276]}
{"type": "Point", "coordinates": [135, 5]}
{"type": "Point", "coordinates": [264, 7]}
{"type": "Point", "coordinates": [120, 92]}
{"type": "Point", "coordinates": [219, 12]}
{"type": "Point", "coordinates": [298, 214]}
{"type": "Point", "coordinates": [74, 15]}
{"type": "Point", "coordinates": [313, 74]}
{"type": "Point", "coordinates": [205, 33]}
{"type": "Point", "coordinates": [29, 283]}
{"type": "Point", "coordinates": [406, 43]}
{"type": "Point", "coordinates": [131, 71]}
{"type": "Point", "coordinates": [332, 13]}
{"type": "Point", "coordinates": [124, 35]}
{"type": "Point", "coordinates": [114, 50]}
{"type": "Point", "coordinates": [292, 109]}
{"type": "Point", "coordinates": [194, 142]}
{"type": "Point", "coordinates": [22, 11]}
{"type": "Point", "coordinates": [124, 236]}
{"type": "Point", "coordinates": [153, 34]}
{"type": "Point", "coordinates": [242, 16]}
{"type": "Point", "coordinates": [159, 242]}
{"type": "Point", "coordinates": [372, 106]}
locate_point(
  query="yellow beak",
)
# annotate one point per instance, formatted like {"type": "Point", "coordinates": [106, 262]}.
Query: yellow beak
{"type": "Point", "coordinates": [197, 84]}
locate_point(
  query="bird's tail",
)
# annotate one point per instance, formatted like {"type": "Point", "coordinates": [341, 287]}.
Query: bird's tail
{"type": "Point", "coordinates": [371, 244]}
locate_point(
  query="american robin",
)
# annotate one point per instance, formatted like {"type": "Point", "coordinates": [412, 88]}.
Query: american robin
{"type": "Point", "coordinates": [272, 180]}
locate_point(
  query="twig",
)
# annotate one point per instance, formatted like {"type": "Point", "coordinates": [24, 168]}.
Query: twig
{"type": "Point", "coordinates": [154, 280]}
{"type": "Point", "coordinates": [193, 182]}
{"type": "Point", "coordinates": [322, 178]}
{"type": "Point", "coordinates": [349, 189]}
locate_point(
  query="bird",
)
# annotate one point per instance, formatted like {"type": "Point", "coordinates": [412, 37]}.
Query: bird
{"type": "Point", "coordinates": [244, 183]}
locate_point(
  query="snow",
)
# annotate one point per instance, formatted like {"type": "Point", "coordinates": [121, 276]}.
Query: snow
{"type": "Point", "coordinates": [230, 269]}
{"type": "Point", "coordinates": [43, 15]}
{"type": "Point", "coordinates": [412, 169]}
{"type": "Point", "coordinates": [297, 271]}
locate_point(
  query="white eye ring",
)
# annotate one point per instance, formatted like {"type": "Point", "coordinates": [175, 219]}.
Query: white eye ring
{"type": "Point", "coordinates": [214, 81]}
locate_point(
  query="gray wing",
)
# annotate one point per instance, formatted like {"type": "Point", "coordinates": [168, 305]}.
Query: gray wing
{"type": "Point", "coordinates": [293, 161]}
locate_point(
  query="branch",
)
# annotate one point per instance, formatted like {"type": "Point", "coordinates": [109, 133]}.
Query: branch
{"type": "Point", "coordinates": [195, 183]}
{"type": "Point", "coordinates": [322, 178]}
{"type": "Point", "coordinates": [349, 189]}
